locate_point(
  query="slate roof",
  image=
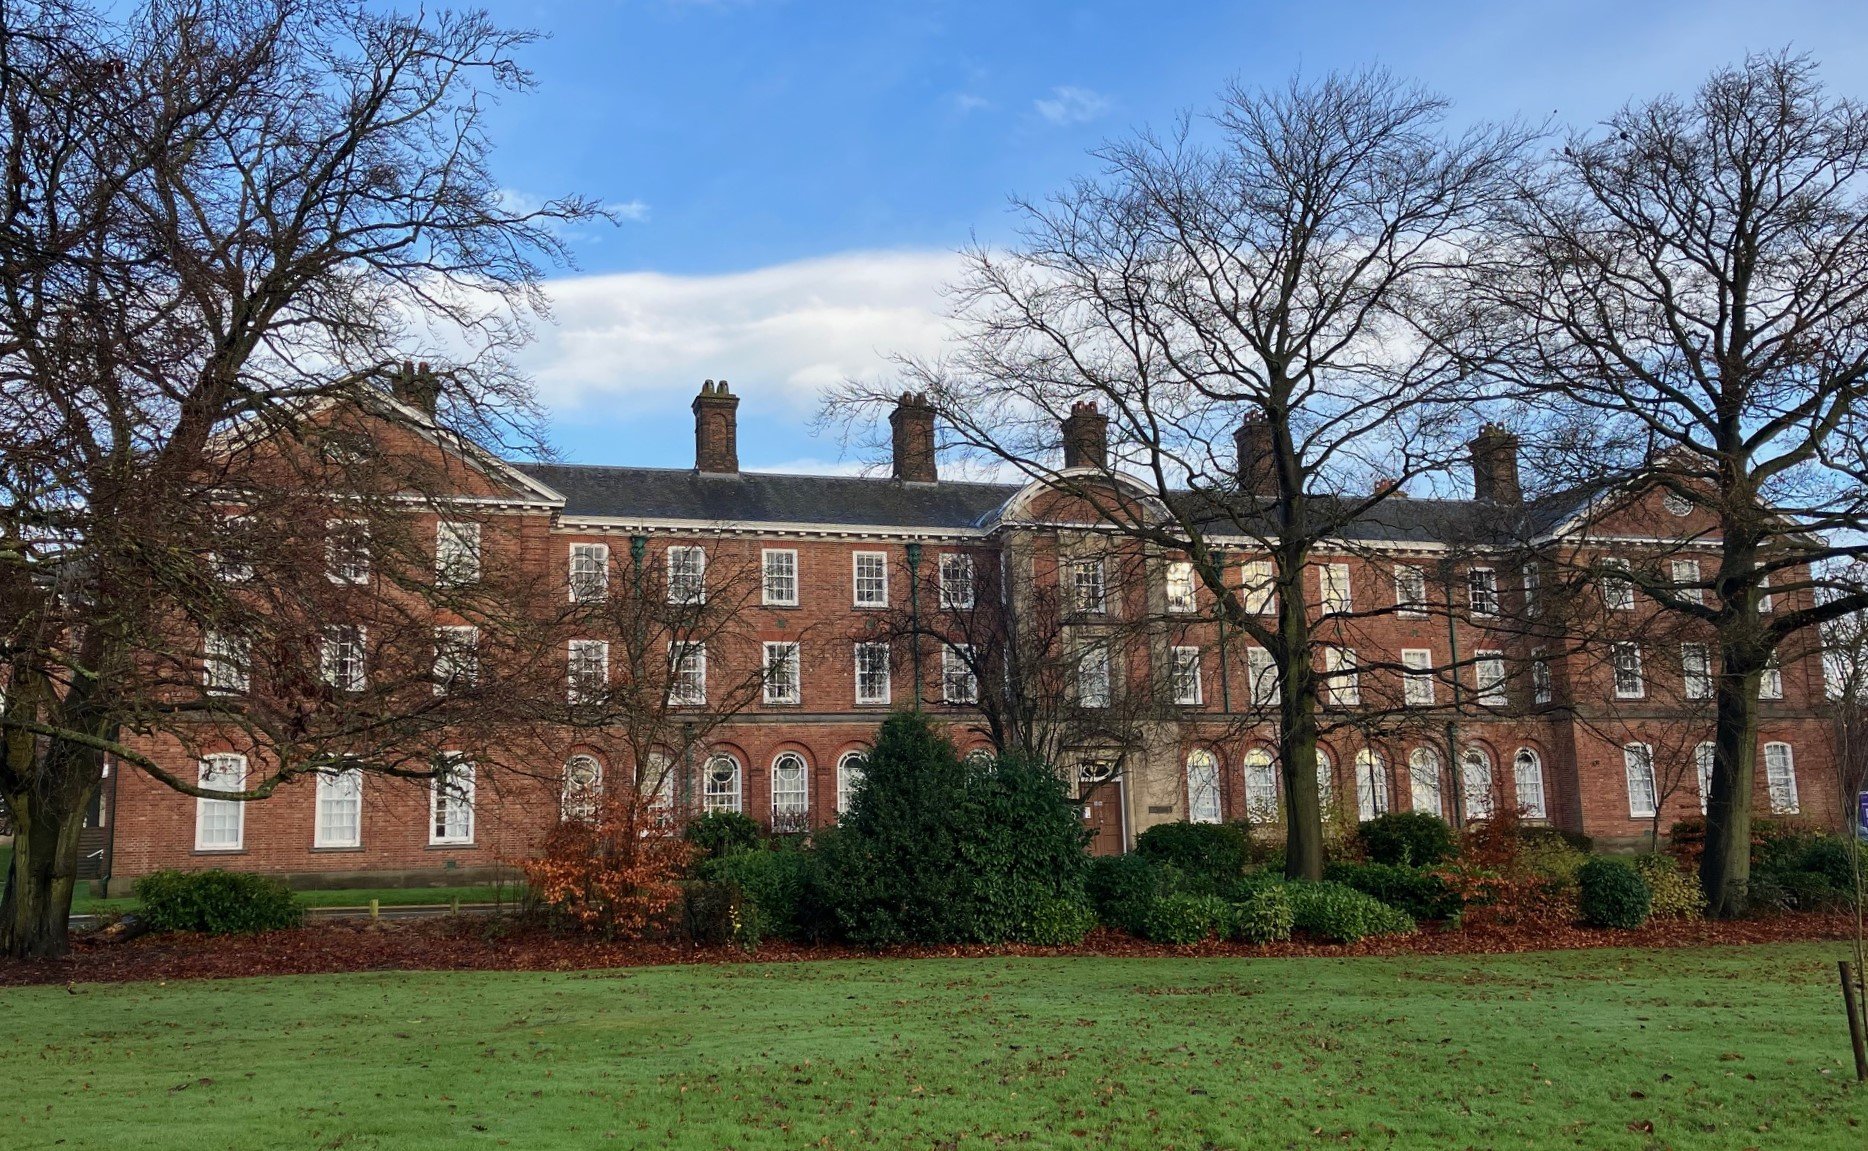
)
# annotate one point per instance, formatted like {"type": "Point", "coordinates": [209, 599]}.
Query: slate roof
{"type": "Point", "coordinates": [866, 501]}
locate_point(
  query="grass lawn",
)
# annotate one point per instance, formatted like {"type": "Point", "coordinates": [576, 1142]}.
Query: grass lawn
{"type": "Point", "coordinates": [1725, 1048]}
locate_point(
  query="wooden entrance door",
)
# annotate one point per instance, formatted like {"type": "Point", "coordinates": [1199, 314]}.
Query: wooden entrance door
{"type": "Point", "coordinates": [1102, 814]}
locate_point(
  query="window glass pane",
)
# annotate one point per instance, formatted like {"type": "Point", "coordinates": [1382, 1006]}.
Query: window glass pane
{"type": "Point", "coordinates": [1423, 767]}
{"type": "Point", "coordinates": [1528, 775]}
{"type": "Point", "coordinates": [1203, 788]}
{"type": "Point", "coordinates": [1261, 787]}
{"type": "Point", "coordinates": [340, 808]}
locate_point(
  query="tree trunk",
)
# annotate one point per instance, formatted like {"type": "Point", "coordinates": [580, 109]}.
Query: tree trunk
{"type": "Point", "coordinates": [1297, 737]}
{"type": "Point", "coordinates": [37, 905]}
{"type": "Point", "coordinates": [1725, 868]}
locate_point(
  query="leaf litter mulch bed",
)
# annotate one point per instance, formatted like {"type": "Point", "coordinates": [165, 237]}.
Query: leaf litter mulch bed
{"type": "Point", "coordinates": [479, 944]}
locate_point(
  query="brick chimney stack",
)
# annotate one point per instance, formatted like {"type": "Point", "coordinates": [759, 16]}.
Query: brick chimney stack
{"type": "Point", "coordinates": [417, 386]}
{"type": "Point", "coordinates": [1086, 437]}
{"type": "Point", "coordinates": [1257, 464]}
{"type": "Point", "coordinates": [716, 430]}
{"type": "Point", "coordinates": [912, 423]}
{"type": "Point", "coordinates": [1495, 466]}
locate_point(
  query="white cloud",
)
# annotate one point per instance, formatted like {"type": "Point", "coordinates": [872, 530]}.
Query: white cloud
{"type": "Point", "coordinates": [1072, 105]}
{"type": "Point", "coordinates": [965, 102]}
{"type": "Point", "coordinates": [779, 333]}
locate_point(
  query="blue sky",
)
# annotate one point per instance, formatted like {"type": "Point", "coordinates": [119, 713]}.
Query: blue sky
{"type": "Point", "coordinates": [795, 176]}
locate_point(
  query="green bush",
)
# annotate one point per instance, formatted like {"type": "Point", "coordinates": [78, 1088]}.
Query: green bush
{"type": "Point", "coordinates": [1216, 850]}
{"type": "Point", "coordinates": [1805, 891]}
{"type": "Point", "coordinates": [1264, 916]}
{"type": "Point", "coordinates": [721, 833]}
{"type": "Point", "coordinates": [1408, 839]}
{"type": "Point", "coordinates": [716, 912]}
{"type": "Point", "coordinates": [1552, 857]}
{"type": "Point", "coordinates": [781, 888]}
{"type": "Point", "coordinates": [1835, 860]}
{"type": "Point", "coordinates": [1060, 921]}
{"type": "Point", "coordinates": [216, 902]}
{"type": "Point", "coordinates": [1123, 889]}
{"type": "Point", "coordinates": [1612, 893]}
{"type": "Point", "coordinates": [1672, 892]}
{"type": "Point", "coordinates": [939, 850]}
{"type": "Point", "coordinates": [1341, 914]}
{"type": "Point", "coordinates": [1188, 918]}
{"type": "Point", "coordinates": [1421, 894]}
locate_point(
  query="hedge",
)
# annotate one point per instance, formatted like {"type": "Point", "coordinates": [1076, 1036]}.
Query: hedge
{"type": "Point", "coordinates": [216, 902]}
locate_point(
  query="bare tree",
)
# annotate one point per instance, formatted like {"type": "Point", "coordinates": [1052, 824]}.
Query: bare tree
{"type": "Point", "coordinates": [221, 223]}
{"type": "Point", "coordinates": [1845, 649]}
{"type": "Point", "coordinates": [1693, 280]}
{"type": "Point", "coordinates": [1252, 302]}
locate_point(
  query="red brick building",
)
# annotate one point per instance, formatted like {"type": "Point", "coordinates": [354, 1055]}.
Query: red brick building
{"type": "Point", "coordinates": [1430, 598]}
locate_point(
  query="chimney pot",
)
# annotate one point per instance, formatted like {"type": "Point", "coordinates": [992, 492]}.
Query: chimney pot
{"type": "Point", "coordinates": [417, 386]}
{"type": "Point", "coordinates": [1086, 437]}
{"type": "Point", "coordinates": [716, 430]}
{"type": "Point", "coordinates": [1495, 466]}
{"type": "Point", "coordinates": [1256, 462]}
{"type": "Point", "coordinates": [912, 425]}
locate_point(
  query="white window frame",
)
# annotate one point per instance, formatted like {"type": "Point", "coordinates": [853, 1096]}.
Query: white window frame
{"type": "Point", "coordinates": [1630, 682]}
{"type": "Point", "coordinates": [1638, 771]}
{"type": "Point", "coordinates": [687, 574]}
{"type": "Point", "coordinates": [1475, 781]}
{"type": "Point", "coordinates": [1418, 688]}
{"type": "Point", "coordinates": [792, 804]}
{"type": "Point", "coordinates": [331, 661]}
{"type": "Point", "coordinates": [455, 777]}
{"type": "Point", "coordinates": [1542, 689]}
{"type": "Point", "coordinates": [872, 660]}
{"type": "Point", "coordinates": [1326, 784]}
{"type": "Point", "coordinates": [341, 787]}
{"type": "Point", "coordinates": [1410, 590]}
{"type": "Point", "coordinates": [1705, 756]}
{"type": "Point", "coordinates": [955, 573]}
{"type": "Point", "coordinates": [577, 799]}
{"type": "Point", "coordinates": [347, 551]}
{"type": "Point", "coordinates": [226, 663]}
{"type": "Point", "coordinates": [1258, 587]}
{"type": "Point", "coordinates": [687, 673]}
{"type": "Point", "coordinates": [1765, 601]}
{"type": "Point", "coordinates": [1203, 800]}
{"type": "Point", "coordinates": [1425, 791]}
{"type": "Point", "coordinates": [1184, 674]}
{"type": "Point", "coordinates": [1488, 672]}
{"type": "Point", "coordinates": [235, 568]}
{"type": "Point", "coordinates": [457, 657]}
{"type": "Point", "coordinates": [722, 794]}
{"type": "Point", "coordinates": [1089, 587]}
{"type": "Point", "coordinates": [1093, 678]}
{"type": "Point", "coordinates": [1780, 778]}
{"type": "Point", "coordinates": [592, 585]}
{"type": "Point", "coordinates": [1261, 672]}
{"type": "Point", "coordinates": [1696, 671]}
{"type": "Point", "coordinates": [850, 767]}
{"type": "Point", "coordinates": [457, 553]}
{"type": "Point", "coordinates": [1179, 588]}
{"type": "Point", "coordinates": [1261, 785]}
{"type": "Point", "coordinates": [1372, 797]}
{"type": "Point", "coordinates": [1335, 595]}
{"type": "Point", "coordinates": [1618, 591]}
{"type": "Point", "coordinates": [1771, 679]}
{"type": "Point", "coordinates": [783, 661]}
{"type": "Point", "coordinates": [878, 581]}
{"type": "Point", "coordinates": [1482, 591]}
{"type": "Point", "coordinates": [1345, 681]}
{"type": "Point", "coordinates": [1685, 575]}
{"type": "Point", "coordinates": [1533, 577]}
{"type": "Point", "coordinates": [221, 771]}
{"type": "Point", "coordinates": [958, 684]}
{"type": "Point", "coordinates": [778, 570]}
{"type": "Point", "coordinates": [586, 670]}
{"type": "Point", "coordinates": [1529, 785]}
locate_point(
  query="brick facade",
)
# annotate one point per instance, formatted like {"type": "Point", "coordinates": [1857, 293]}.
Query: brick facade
{"type": "Point", "coordinates": [1578, 737]}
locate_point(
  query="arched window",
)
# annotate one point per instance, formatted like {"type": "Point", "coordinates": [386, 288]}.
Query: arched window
{"type": "Point", "coordinates": [1704, 755]}
{"type": "Point", "coordinates": [1423, 770]}
{"type": "Point", "coordinates": [1527, 771]}
{"type": "Point", "coordinates": [1780, 775]}
{"type": "Point", "coordinates": [849, 778]}
{"type": "Point", "coordinates": [1202, 787]}
{"type": "Point", "coordinates": [1261, 787]}
{"type": "Point", "coordinates": [722, 783]}
{"type": "Point", "coordinates": [1326, 784]}
{"type": "Point", "coordinates": [1371, 784]}
{"type": "Point", "coordinates": [791, 793]}
{"type": "Point", "coordinates": [1475, 775]}
{"type": "Point", "coordinates": [583, 781]}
